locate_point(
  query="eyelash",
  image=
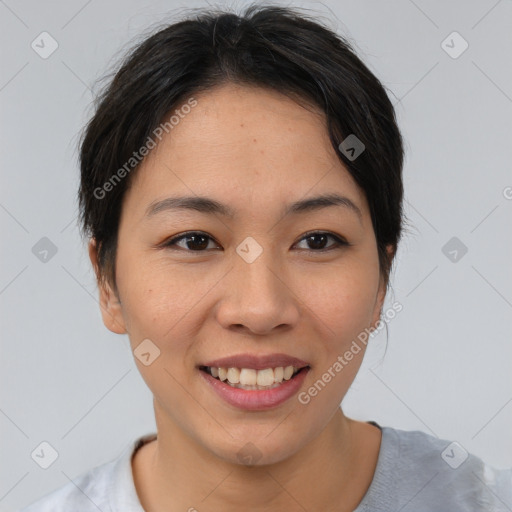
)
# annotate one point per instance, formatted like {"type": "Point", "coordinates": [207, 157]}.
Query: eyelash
{"type": "Point", "coordinates": [339, 242]}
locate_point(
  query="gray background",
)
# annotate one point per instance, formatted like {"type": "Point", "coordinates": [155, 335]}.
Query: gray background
{"type": "Point", "coordinates": [67, 380]}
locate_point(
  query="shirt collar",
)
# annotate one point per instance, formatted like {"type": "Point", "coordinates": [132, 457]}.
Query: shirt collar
{"type": "Point", "coordinates": [123, 496]}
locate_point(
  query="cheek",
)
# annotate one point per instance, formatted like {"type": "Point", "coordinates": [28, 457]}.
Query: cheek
{"type": "Point", "coordinates": [159, 300]}
{"type": "Point", "coordinates": [342, 300]}
{"type": "Point", "coordinates": [146, 295]}
{"type": "Point", "coordinates": [156, 309]}
{"type": "Point", "coordinates": [342, 308]}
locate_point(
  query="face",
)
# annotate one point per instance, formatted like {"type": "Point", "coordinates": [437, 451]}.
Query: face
{"type": "Point", "coordinates": [261, 285]}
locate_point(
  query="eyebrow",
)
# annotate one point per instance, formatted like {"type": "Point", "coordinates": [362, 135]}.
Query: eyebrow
{"type": "Point", "coordinates": [211, 206]}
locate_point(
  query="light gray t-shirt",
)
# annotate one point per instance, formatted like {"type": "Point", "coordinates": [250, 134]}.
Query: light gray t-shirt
{"type": "Point", "coordinates": [415, 472]}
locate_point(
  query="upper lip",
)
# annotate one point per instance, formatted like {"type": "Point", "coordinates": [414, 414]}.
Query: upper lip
{"type": "Point", "coordinates": [256, 362]}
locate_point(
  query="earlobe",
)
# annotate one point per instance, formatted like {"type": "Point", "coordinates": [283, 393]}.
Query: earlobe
{"type": "Point", "coordinates": [110, 305]}
{"type": "Point", "coordinates": [111, 309]}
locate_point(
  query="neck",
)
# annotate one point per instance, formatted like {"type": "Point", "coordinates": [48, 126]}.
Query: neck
{"type": "Point", "coordinates": [332, 472]}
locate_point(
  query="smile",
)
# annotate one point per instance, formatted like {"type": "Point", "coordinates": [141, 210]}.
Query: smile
{"type": "Point", "coordinates": [254, 382]}
{"type": "Point", "coordinates": [252, 379]}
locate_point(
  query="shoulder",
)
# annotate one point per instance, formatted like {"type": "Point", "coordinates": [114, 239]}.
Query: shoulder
{"type": "Point", "coordinates": [86, 493]}
{"type": "Point", "coordinates": [419, 472]}
{"type": "Point", "coordinates": [107, 487]}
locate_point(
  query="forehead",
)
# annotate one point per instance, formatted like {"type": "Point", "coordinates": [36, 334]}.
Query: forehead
{"type": "Point", "coordinates": [245, 145]}
{"type": "Point", "coordinates": [250, 121]}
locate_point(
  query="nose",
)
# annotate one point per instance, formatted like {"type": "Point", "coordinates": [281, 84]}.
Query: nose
{"type": "Point", "coordinates": [257, 299]}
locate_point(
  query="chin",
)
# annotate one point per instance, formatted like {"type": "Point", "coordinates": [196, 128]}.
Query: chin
{"type": "Point", "coordinates": [256, 451]}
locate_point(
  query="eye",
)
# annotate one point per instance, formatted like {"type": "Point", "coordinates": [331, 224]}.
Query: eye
{"type": "Point", "coordinates": [318, 239]}
{"type": "Point", "coordinates": [197, 241]}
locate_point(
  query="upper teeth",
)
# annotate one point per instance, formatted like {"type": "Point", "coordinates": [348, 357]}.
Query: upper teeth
{"type": "Point", "coordinates": [251, 377]}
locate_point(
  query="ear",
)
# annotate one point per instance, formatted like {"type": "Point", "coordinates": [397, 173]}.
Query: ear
{"type": "Point", "coordinates": [111, 309]}
{"type": "Point", "coordinates": [381, 294]}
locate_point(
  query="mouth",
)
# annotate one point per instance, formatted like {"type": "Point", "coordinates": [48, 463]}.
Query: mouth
{"type": "Point", "coordinates": [254, 382]}
{"type": "Point", "coordinates": [252, 379]}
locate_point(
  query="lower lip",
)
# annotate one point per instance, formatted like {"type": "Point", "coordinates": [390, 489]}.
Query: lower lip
{"type": "Point", "coordinates": [256, 400]}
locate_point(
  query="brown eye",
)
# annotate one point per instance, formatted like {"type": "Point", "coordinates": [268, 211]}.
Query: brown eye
{"type": "Point", "coordinates": [194, 241]}
{"type": "Point", "coordinates": [317, 241]}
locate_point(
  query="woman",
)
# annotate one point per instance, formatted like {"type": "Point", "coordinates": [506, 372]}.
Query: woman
{"type": "Point", "coordinates": [241, 186]}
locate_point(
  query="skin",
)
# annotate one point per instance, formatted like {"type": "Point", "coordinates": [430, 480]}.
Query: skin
{"type": "Point", "coordinates": [256, 151]}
